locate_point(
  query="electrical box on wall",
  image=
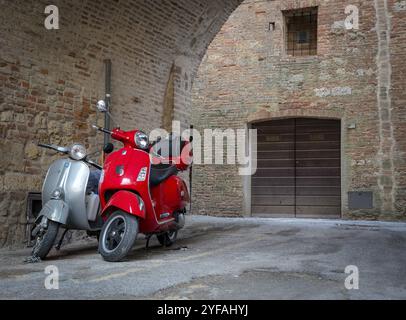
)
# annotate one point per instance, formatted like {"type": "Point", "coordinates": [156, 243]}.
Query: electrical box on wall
{"type": "Point", "coordinates": [360, 200]}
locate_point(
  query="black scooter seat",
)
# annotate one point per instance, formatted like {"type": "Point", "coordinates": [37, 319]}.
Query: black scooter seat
{"type": "Point", "coordinates": [161, 172]}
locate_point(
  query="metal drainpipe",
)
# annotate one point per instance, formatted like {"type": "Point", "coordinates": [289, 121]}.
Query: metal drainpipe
{"type": "Point", "coordinates": [107, 64]}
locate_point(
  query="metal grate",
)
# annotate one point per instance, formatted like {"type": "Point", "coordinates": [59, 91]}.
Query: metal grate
{"type": "Point", "coordinates": [301, 26]}
{"type": "Point", "coordinates": [360, 200]}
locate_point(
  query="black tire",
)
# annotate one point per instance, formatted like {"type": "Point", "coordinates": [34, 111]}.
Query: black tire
{"type": "Point", "coordinates": [117, 236]}
{"type": "Point", "coordinates": [168, 238]}
{"type": "Point", "coordinates": [45, 240]}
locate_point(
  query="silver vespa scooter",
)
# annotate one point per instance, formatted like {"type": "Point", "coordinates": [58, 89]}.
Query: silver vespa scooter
{"type": "Point", "coordinates": [70, 199]}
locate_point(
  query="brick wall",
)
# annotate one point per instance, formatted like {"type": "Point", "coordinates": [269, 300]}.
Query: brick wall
{"type": "Point", "coordinates": [50, 80]}
{"type": "Point", "coordinates": [358, 76]}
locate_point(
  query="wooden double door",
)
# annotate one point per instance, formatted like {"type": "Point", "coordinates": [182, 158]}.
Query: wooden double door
{"type": "Point", "coordinates": [298, 169]}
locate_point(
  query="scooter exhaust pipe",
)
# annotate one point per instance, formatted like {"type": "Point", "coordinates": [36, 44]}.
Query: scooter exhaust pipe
{"type": "Point", "coordinates": [180, 221]}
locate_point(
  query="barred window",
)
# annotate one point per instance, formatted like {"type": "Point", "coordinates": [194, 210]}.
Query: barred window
{"type": "Point", "coordinates": [301, 31]}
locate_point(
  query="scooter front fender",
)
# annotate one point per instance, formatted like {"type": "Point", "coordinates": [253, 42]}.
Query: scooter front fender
{"type": "Point", "coordinates": [54, 210]}
{"type": "Point", "coordinates": [125, 201]}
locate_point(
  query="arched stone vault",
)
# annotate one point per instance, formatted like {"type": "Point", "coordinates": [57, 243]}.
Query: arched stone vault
{"type": "Point", "coordinates": [51, 79]}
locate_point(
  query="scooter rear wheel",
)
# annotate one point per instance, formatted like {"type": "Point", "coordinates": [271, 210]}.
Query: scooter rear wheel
{"type": "Point", "coordinates": [117, 236]}
{"type": "Point", "coordinates": [168, 238]}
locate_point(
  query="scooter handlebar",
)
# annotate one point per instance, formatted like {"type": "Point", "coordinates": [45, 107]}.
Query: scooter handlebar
{"type": "Point", "coordinates": [102, 129]}
{"type": "Point", "coordinates": [53, 147]}
{"type": "Point", "coordinates": [47, 146]}
{"type": "Point", "coordinates": [94, 164]}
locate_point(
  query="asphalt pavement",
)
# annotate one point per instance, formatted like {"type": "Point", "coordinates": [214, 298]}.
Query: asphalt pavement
{"type": "Point", "coordinates": [227, 258]}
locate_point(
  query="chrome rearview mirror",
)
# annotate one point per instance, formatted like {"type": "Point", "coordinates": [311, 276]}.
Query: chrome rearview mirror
{"type": "Point", "coordinates": [101, 106]}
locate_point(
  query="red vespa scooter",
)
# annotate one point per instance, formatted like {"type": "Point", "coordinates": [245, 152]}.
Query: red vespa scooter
{"type": "Point", "coordinates": [138, 196]}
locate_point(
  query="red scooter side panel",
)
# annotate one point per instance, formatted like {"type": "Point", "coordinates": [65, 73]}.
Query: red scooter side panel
{"type": "Point", "coordinates": [170, 196]}
{"type": "Point", "coordinates": [126, 201]}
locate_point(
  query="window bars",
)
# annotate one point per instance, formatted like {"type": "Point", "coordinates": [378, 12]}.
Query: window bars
{"type": "Point", "coordinates": [301, 31]}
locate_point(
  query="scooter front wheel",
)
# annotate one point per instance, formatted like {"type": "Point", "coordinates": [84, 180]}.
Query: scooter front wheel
{"type": "Point", "coordinates": [45, 239]}
{"type": "Point", "coordinates": [117, 236]}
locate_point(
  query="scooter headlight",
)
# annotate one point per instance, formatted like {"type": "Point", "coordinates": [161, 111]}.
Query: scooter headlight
{"type": "Point", "coordinates": [141, 140]}
{"type": "Point", "coordinates": [77, 152]}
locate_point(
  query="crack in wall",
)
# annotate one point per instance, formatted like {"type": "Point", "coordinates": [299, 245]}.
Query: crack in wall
{"type": "Point", "coordinates": [386, 180]}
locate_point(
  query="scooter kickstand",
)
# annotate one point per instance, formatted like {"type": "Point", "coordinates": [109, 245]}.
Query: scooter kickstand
{"type": "Point", "coordinates": [147, 244]}
{"type": "Point", "coordinates": [59, 245]}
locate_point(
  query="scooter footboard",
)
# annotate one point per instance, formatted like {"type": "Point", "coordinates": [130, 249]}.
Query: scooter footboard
{"type": "Point", "coordinates": [55, 210]}
{"type": "Point", "coordinates": [125, 201]}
